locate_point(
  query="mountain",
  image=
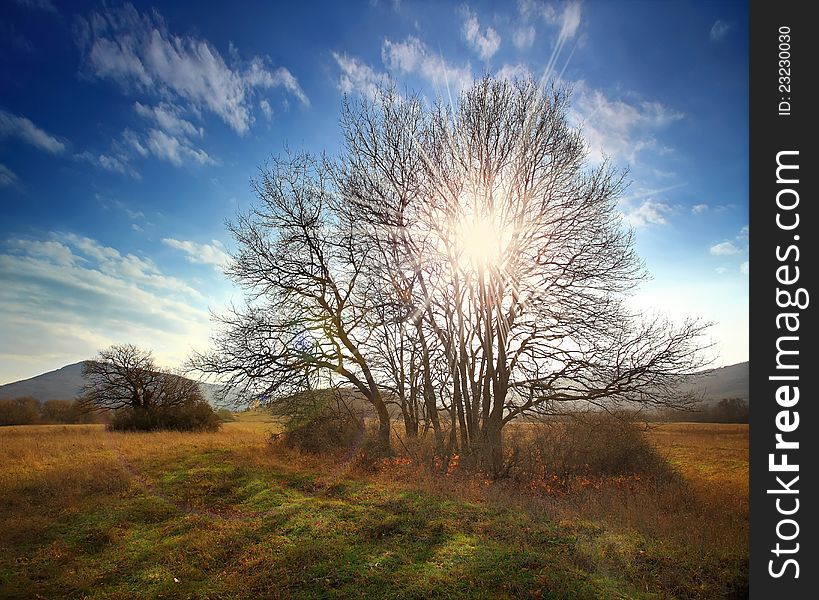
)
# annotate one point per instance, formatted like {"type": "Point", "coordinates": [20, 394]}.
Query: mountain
{"type": "Point", "coordinates": [66, 383]}
{"type": "Point", "coordinates": [62, 384]}
{"type": "Point", "coordinates": [726, 382]}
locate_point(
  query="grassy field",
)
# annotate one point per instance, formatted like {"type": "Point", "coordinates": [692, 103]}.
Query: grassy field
{"type": "Point", "coordinates": [85, 513]}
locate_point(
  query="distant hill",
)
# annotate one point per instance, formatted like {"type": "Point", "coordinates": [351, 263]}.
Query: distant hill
{"type": "Point", "coordinates": [66, 384]}
{"type": "Point", "coordinates": [62, 384]}
{"type": "Point", "coordinates": [726, 382]}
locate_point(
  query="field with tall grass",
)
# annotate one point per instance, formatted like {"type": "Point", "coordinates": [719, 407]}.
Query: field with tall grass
{"type": "Point", "coordinates": [88, 513]}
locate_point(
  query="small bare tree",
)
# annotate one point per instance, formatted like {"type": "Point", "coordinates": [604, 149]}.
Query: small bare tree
{"type": "Point", "coordinates": [126, 376]}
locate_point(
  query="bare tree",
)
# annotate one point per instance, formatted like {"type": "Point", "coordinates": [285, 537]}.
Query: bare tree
{"type": "Point", "coordinates": [460, 257]}
{"type": "Point", "coordinates": [306, 320]}
{"type": "Point", "coordinates": [126, 376]}
{"type": "Point", "coordinates": [519, 258]}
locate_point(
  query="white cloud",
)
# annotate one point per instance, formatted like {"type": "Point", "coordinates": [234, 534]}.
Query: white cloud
{"type": "Point", "coordinates": [175, 150]}
{"type": "Point", "coordinates": [22, 128]}
{"type": "Point", "coordinates": [7, 176]}
{"type": "Point", "coordinates": [617, 128]}
{"type": "Point", "coordinates": [648, 213]}
{"type": "Point", "coordinates": [523, 37]}
{"type": "Point", "coordinates": [726, 248]}
{"type": "Point", "coordinates": [512, 72]}
{"type": "Point", "coordinates": [213, 254]}
{"type": "Point", "coordinates": [570, 20]}
{"type": "Point", "coordinates": [413, 57]}
{"type": "Point", "coordinates": [745, 268]}
{"type": "Point", "coordinates": [168, 118]}
{"type": "Point", "coordinates": [141, 271]}
{"type": "Point", "coordinates": [171, 140]}
{"type": "Point", "coordinates": [132, 141]}
{"type": "Point", "coordinates": [139, 53]}
{"type": "Point", "coordinates": [484, 43]}
{"type": "Point", "coordinates": [699, 209]}
{"type": "Point", "coordinates": [718, 30]}
{"type": "Point", "coordinates": [115, 163]}
{"type": "Point", "coordinates": [66, 297]}
{"type": "Point", "coordinates": [264, 105]}
{"type": "Point", "coordinates": [358, 77]}
{"type": "Point", "coordinates": [52, 250]}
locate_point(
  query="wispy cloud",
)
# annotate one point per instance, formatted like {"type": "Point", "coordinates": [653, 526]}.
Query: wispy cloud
{"type": "Point", "coordinates": [174, 149]}
{"type": "Point", "coordinates": [617, 128]}
{"type": "Point", "coordinates": [12, 125]}
{"type": "Point", "coordinates": [745, 268]}
{"type": "Point", "coordinates": [648, 213]}
{"type": "Point", "coordinates": [212, 254]}
{"type": "Point", "coordinates": [512, 72]}
{"type": "Point", "coordinates": [523, 37]}
{"type": "Point", "coordinates": [698, 209]}
{"type": "Point", "coordinates": [413, 57]}
{"type": "Point", "coordinates": [264, 105]}
{"type": "Point", "coordinates": [484, 42]}
{"type": "Point", "coordinates": [7, 176]}
{"type": "Point", "coordinates": [109, 162]}
{"type": "Point", "coordinates": [357, 76]}
{"type": "Point", "coordinates": [726, 248]}
{"type": "Point", "coordinates": [719, 30]}
{"type": "Point", "coordinates": [138, 52]}
{"type": "Point", "coordinates": [81, 295]}
{"type": "Point", "coordinates": [570, 20]}
{"type": "Point", "coordinates": [45, 5]}
{"type": "Point", "coordinates": [171, 138]}
{"type": "Point", "coordinates": [169, 118]}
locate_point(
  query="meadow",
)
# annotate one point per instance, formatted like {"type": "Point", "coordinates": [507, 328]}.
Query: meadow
{"type": "Point", "coordinates": [87, 513]}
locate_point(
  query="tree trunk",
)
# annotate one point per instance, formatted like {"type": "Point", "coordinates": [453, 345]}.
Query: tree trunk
{"type": "Point", "coordinates": [492, 447]}
{"type": "Point", "coordinates": [383, 428]}
{"type": "Point", "coordinates": [410, 426]}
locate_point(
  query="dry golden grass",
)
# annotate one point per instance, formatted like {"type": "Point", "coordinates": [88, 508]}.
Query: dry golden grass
{"type": "Point", "coordinates": [681, 538]}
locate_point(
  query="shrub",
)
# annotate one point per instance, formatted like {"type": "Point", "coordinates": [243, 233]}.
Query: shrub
{"type": "Point", "coordinates": [19, 411]}
{"type": "Point", "coordinates": [65, 411]}
{"type": "Point", "coordinates": [190, 416]}
{"type": "Point", "coordinates": [225, 415]}
{"type": "Point", "coordinates": [597, 443]}
{"type": "Point", "coordinates": [324, 424]}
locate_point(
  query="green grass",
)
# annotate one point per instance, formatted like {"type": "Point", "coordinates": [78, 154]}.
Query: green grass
{"type": "Point", "coordinates": [187, 516]}
{"type": "Point", "coordinates": [210, 528]}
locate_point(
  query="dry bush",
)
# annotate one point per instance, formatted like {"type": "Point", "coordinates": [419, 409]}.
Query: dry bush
{"type": "Point", "coordinates": [589, 444]}
{"type": "Point", "coordinates": [190, 416]}
{"type": "Point", "coordinates": [327, 425]}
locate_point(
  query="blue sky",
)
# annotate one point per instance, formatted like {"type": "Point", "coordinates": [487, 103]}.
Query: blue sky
{"type": "Point", "coordinates": [129, 134]}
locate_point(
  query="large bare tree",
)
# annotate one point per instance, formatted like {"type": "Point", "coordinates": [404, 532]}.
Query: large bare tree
{"type": "Point", "coordinates": [461, 257]}
{"type": "Point", "coordinates": [516, 254]}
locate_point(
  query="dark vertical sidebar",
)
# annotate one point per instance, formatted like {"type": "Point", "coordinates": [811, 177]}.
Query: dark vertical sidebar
{"type": "Point", "coordinates": [784, 430]}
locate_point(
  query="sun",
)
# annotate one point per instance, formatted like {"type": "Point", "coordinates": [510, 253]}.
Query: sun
{"type": "Point", "coordinates": [480, 243]}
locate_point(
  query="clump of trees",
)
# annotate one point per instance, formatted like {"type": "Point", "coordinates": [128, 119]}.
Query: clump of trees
{"type": "Point", "coordinates": [727, 410]}
{"type": "Point", "coordinates": [461, 261]}
{"type": "Point", "coordinates": [28, 411]}
{"type": "Point", "coordinates": [124, 380]}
